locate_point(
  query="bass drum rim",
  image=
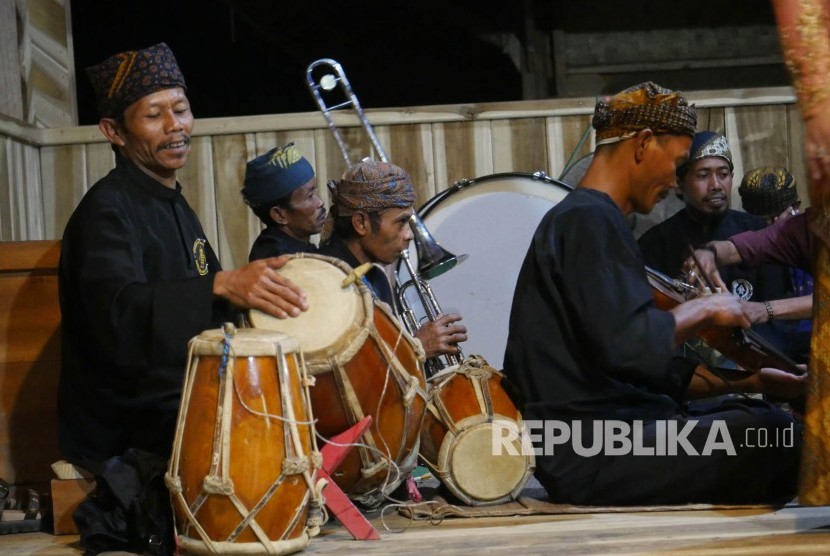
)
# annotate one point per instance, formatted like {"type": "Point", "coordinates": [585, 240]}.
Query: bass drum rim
{"type": "Point", "coordinates": [536, 190]}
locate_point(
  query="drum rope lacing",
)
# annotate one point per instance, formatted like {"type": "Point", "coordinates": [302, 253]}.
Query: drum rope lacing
{"type": "Point", "coordinates": [215, 484]}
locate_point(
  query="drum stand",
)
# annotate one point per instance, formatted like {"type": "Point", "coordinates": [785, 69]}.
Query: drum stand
{"type": "Point", "coordinates": [336, 500]}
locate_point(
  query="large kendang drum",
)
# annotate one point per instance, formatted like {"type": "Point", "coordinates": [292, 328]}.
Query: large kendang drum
{"type": "Point", "coordinates": [492, 219]}
{"type": "Point", "coordinates": [242, 474]}
{"type": "Point", "coordinates": [364, 363]}
{"type": "Point", "coordinates": [472, 435]}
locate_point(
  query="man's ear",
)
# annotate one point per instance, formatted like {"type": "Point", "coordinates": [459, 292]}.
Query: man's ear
{"type": "Point", "coordinates": [278, 215]}
{"type": "Point", "coordinates": [641, 143]}
{"type": "Point", "coordinates": [112, 131]}
{"type": "Point", "coordinates": [360, 223]}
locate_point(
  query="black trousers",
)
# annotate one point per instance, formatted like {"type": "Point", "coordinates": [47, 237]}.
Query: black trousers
{"type": "Point", "coordinates": [763, 468]}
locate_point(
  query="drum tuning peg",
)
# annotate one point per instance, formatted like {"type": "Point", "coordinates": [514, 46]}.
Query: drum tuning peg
{"type": "Point", "coordinates": [355, 275]}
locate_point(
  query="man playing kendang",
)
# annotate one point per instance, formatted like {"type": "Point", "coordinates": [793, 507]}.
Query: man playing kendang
{"type": "Point", "coordinates": [137, 280]}
{"type": "Point", "coordinates": [370, 211]}
{"type": "Point", "coordinates": [589, 351]}
{"type": "Point", "coordinates": [281, 189]}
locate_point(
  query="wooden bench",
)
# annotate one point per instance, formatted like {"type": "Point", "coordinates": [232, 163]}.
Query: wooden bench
{"type": "Point", "coordinates": [29, 372]}
{"type": "Point", "coordinates": [29, 360]}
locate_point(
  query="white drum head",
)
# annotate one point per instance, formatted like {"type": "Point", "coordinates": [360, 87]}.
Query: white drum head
{"type": "Point", "coordinates": [492, 219]}
{"type": "Point", "coordinates": [335, 313]}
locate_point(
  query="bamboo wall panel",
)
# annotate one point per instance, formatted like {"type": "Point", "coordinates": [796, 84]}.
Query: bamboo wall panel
{"type": "Point", "coordinates": [411, 149]}
{"type": "Point", "coordinates": [21, 201]}
{"type": "Point", "coordinates": [462, 151]}
{"type": "Point", "coordinates": [711, 119]}
{"type": "Point", "coordinates": [197, 179]}
{"type": "Point", "coordinates": [63, 171]}
{"type": "Point", "coordinates": [520, 145]}
{"type": "Point", "coordinates": [438, 145]}
{"type": "Point", "coordinates": [231, 152]}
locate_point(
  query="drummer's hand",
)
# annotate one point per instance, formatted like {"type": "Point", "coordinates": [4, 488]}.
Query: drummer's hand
{"type": "Point", "coordinates": [441, 336]}
{"type": "Point", "coordinates": [258, 285]}
{"type": "Point", "coordinates": [776, 382]}
{"type": "Point", "coordinates": [708, 267]}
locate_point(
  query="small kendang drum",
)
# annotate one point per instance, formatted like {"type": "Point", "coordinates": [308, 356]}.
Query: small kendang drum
{"type": "Point", "coordinates": [242, 474]}
{"type": "Point", "coordinates": [364, 363]}
{"type": "Point", "coordinates": [471, 438]}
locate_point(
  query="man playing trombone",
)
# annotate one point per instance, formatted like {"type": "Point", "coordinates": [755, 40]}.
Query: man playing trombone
{"type": "Point", "coordinates": [371, 208]}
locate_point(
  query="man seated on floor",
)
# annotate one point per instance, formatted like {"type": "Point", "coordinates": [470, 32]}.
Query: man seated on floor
{"type": "Point", "coordinates": [592, 358]}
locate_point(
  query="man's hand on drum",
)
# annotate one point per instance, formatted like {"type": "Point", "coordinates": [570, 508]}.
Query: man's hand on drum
{"type": "Point", "coordinates": [441, 336]}
{"type": "Point", "coordinates": [258, 285]}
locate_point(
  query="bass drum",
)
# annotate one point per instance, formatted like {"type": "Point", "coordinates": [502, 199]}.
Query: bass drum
{"type": "Point", "coordinates": [492, 219]}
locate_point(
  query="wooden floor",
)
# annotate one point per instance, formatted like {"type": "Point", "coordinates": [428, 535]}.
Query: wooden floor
{"type": "Point", "coordinates": [791, 530]}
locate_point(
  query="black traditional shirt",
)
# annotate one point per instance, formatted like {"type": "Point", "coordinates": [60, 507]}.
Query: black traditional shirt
{"type": "Point", "coordinates": [376, 278]}
{"type": "Point", "coordinates": [136, 277]}
{"type": "Point", "coordinates": [585, 340]}
{"type": "Point", "coordinates": [273, 242]}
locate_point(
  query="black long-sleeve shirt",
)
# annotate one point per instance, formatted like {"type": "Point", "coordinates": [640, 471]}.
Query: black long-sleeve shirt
{"type": "Point", "coordinates": [135, 280]}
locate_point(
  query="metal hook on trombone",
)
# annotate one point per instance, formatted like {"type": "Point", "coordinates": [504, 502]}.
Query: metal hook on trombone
{"type": "Point", "coordinates": [433, 260]}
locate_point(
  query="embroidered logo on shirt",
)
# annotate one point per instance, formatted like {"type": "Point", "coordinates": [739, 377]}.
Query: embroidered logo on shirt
{"type": "Point", "coordinates": [200, 257]}
{"type": "Point", "coordinates": [742, 288]}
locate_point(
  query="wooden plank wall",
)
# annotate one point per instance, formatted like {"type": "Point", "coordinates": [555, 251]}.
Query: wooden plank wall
{"type": "Point", "coordinates": [46, 172]}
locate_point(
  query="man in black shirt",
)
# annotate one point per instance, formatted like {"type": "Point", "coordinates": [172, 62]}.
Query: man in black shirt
{"type": "Point", "coordinates": [137, 280]}
{"type": "Point", "coordinates": [590, 354]}
{"type": "Point", "coordinates": [705, 185]}
{"type": "Point", "coordinates": [281, 189]}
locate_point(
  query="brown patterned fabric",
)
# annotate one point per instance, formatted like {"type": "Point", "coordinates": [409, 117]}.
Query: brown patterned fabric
{"type": "Point", "coordinates": [124, 78]}
{"type": "Point", "coordinates": [814, 480]}
{"type": "Point", "coordinates": [371, 187]}
{"type": "Point", "coordinates": [768, 191]}
{"type": "Point", "coordinates": [646, 105]}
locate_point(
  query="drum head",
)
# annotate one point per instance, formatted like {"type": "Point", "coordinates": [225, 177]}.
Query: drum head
{"type": "Point", "coordinates": [334, 315]}
{"type": "Point", "coordinates": [492, 219]}
{"type": "Point", "coordinates": [244, 342]}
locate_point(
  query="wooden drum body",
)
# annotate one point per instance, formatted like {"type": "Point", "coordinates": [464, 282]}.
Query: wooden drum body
{"type": "Point", "coordinates": [467, 416]}
{"type": "Point", "coordinates": [243, 470]}
{"type": "Point", "coordinates": [363, 363]}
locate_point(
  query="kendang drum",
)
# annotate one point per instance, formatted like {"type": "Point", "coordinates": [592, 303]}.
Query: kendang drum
{"type": "Point", "coordinates": [472, 435]}
{"type": "Point", "coordinates": [492, 219]}
{"type": "Point", "coordinates": [364, 363]}
{"type": "Point", "coordinates": [242, 474]}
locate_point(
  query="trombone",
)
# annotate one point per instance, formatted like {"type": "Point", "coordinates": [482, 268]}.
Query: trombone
{"type": "Point", "coordinates": [433, 260]}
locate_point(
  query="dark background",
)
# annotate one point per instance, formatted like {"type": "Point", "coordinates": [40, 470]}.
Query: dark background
{"type": "Point", "coordinates": [247, 57]}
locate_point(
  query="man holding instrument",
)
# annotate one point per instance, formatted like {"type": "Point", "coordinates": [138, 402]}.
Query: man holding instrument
{"type": "Point", "coordinates": [371, 207]}
{"type": "Point", "coordinates": [591, 354]}
{"type": "Point", "coordinates": [138, 279]}
{"type": "Point", "coordinates": [705, 185]}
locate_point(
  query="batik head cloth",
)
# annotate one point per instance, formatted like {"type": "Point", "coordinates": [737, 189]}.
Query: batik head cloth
{"type": "Point", "coordinates": [706, 144]}
{"type": "Point", "coordinates": [372, 187]}
{"type": "Point", "coordinates": [768, 191]}
{"type": "Point", "coordinates": [274, 175]}
{"type": "Point", "coordinates": [122, 79]}
{"type": "Point", "coordinates": [646, 105]}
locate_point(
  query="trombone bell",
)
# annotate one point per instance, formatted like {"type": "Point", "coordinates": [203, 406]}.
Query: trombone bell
{"type": "Point", "coordinates": [433, 260]}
